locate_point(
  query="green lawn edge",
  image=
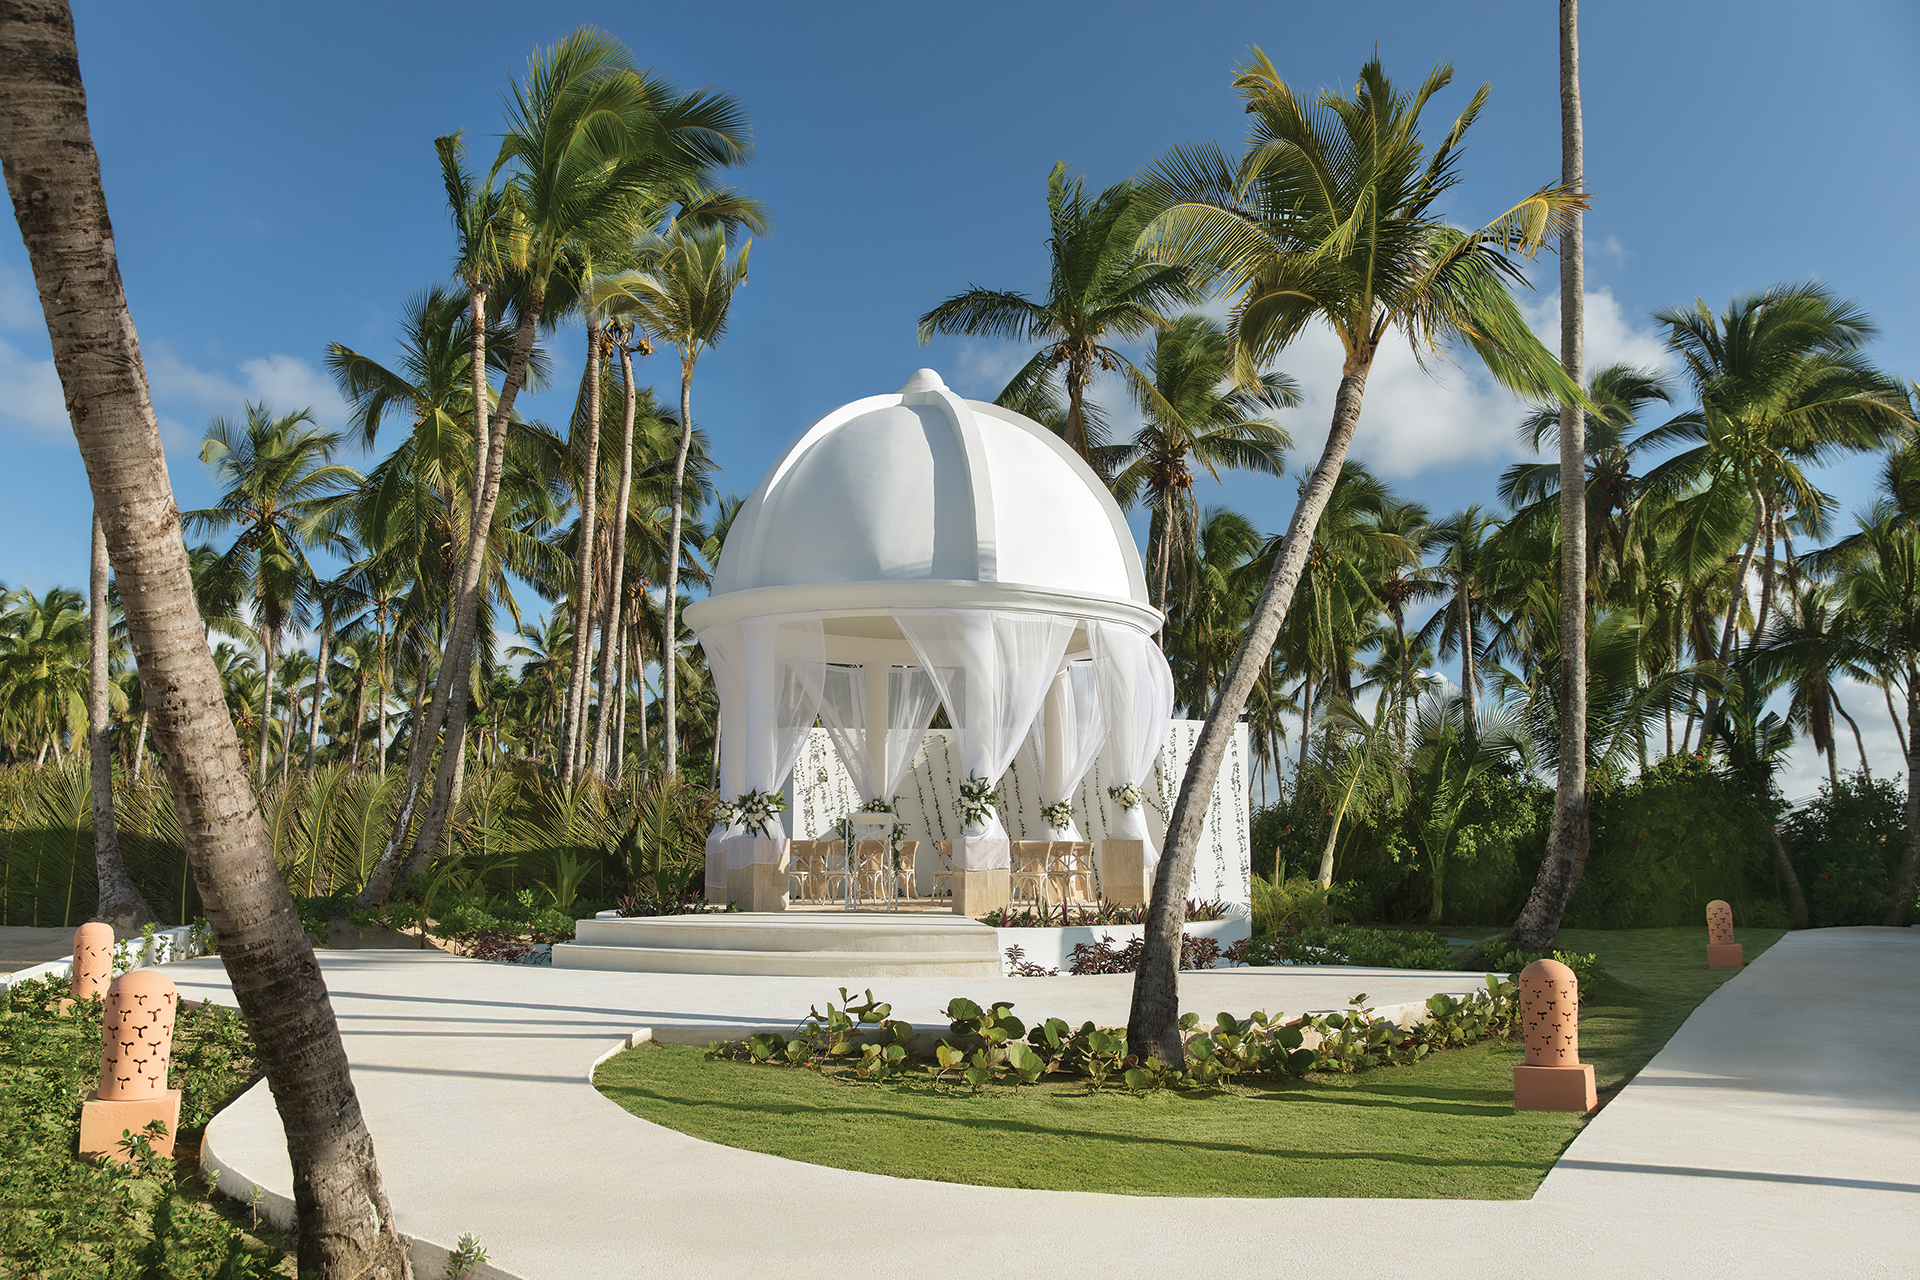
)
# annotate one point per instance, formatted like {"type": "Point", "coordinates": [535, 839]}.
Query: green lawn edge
{"type": "Point", "coordinates": [1444, 1128]}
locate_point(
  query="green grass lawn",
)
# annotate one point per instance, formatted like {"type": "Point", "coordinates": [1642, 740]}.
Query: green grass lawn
{"type": "Point", "coordinates": [1445, 1127]}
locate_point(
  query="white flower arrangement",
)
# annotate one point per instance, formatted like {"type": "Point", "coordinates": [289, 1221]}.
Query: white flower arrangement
{"type": "Point", "coordinates": [1059, 814]}
{"type": "Point", "coordinates": [1128, 795]}
{"type": "Point", "coordinates": [895, 835]}
{"type": "Point", "coordinates": [758, 810]}
{"type": "Point", "coordinates": [977, 801]}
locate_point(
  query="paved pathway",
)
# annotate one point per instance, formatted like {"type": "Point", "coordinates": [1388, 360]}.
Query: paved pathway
{"type": "Point", "coordinates": [1777, 1134]}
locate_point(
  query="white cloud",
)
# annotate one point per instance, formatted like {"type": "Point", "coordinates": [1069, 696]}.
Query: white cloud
{"type": "Point", "coordinates": [30, 396]}
{"type": "Point", "coordinates": [19, 300]}
{"type": "Point", "coordinates": [285, 383]}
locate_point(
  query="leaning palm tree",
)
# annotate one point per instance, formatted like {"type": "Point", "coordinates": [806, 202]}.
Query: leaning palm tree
{"type": "Point", "coordinates": [1329, 217]}
{"type": "Point", "coordinates": [1102, 287]}
{"type": "Point", "coordinates": [280, 485]}
{"type": "Point", "coordinates": [1195, 415]}
{"type": "Point", "coordinates": [682, 297]}
{"type": "Point", "coordinates": [53, 177]}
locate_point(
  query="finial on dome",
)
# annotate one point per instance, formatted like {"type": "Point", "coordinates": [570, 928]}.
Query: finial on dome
{"type": "Point", "coordinates": [923, 380]}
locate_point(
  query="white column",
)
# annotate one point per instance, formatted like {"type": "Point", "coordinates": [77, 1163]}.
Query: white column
{"type": "Point", "coordinates": [876, 677]}
{"type": "Point", "coordinates": [1053, 769]}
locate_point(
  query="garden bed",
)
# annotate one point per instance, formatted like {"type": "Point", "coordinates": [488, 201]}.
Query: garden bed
{"type": "Point", "coordinates": [1443, 1127]}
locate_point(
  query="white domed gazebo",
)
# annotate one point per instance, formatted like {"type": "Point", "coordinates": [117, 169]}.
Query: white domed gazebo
{"type": "Point", "coordinates": [914, 550]}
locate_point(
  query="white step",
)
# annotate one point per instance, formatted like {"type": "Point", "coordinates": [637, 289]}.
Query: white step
{"type": "Point", "coordinates": [778, 962]}
{"type": "Point", "coordinates": [928, 934]}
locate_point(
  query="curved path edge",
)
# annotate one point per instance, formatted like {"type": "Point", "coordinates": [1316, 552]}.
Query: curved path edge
{"type": "Point", "coordinates": [1775, 1134]}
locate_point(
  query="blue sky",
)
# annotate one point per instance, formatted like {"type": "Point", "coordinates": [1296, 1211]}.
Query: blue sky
{"type": "Point", "coordinates": [273, 188]}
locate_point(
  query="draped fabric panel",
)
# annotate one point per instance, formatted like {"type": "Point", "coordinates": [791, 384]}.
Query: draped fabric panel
{"type": "Point", "coordinates": [1071, 732]}
{"type": "Point", "coordinates": [785, 660]}
{"type": "Point", "coordinates": [991, 670]}
{"type": "Point", "coordinates": [843, 710]}
{"type": "Point", "coordinates": [911, 699]}
{"type": "Point", "coordinates": [1140, 698]}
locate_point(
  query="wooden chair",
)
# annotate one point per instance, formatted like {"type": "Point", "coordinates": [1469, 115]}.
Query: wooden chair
{"type": "Point", "coordinates": [1070, 870]}
{"type": "Point", "coordinates": [873, 869]}
{"type": "Point", "coordinates": [1030, 871]}
{"type": "Point", "coordinates": [903, 875]}
{"type": "Point", "coordinates": [943, 870]}
{"type": "Point", "coordinates": [808, 869]}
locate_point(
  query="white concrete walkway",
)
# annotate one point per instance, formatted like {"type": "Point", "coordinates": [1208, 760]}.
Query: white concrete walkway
{"type": "Point", "coordinates": [1777, 1134]}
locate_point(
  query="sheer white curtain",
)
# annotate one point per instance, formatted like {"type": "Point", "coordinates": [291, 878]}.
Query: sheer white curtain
{"type": "Point", "coordinates": [843, 710]}
{"type": "Point", "coordinates": [877, 751]}
{"type": "Point", "coordinates": [725, 648]}
{"type": "Point", "coordinates": [1070, 733]}
{"type": "Point", "coordinates": [783, 662]}
{"type": "Point", "coordinates": [992, 670]}
{"type": "Point", "coordinates": [1140, 698]}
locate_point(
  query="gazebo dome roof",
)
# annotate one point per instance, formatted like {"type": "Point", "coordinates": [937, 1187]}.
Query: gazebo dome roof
{"type": "Point", "coordinates": [922, 499]}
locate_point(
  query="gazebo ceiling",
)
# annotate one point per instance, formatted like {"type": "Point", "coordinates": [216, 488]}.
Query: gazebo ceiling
{"type": "Point", "coordinates": [924, 500]}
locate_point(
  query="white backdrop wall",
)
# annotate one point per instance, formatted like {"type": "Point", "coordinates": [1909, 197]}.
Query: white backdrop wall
{"type": "Point", "coordinates": [821, 792]}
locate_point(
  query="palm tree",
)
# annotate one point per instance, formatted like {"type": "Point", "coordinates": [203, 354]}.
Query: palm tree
{"type": "Point", "coordinates": [1465, 574]}
{"type": "Point", "coordinates": [1539, 920]}
{"type": "Point", "coordinates": [279, 486]}
{"type": "Point", "coordinates": [588, 136]}
{"type": "Point", "coordinates": [1811, 653]}
{"type": "Point", "coordinates": [1782, 386]}
{"type": "Point", "coordinates": [1882, 608]}
{"type": "Point", "coordinates": [1194, 415]}
{"type": "Point", "coordinates": [1330, 216]}
{"type": "Point", "coordinates": [682, 296]}
{"type": "Point", "coordinates": [1100, 287]}
{"type": "Point", "coordinates": [1367, 767]}
{"type": "Point", "coordinates": [1446, 762]}
{"type": "Point", "coordinates": [53, 177]}
{"type": "Point", "coordinates": [43, 669]}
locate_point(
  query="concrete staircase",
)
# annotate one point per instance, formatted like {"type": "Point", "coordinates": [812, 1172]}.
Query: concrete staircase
{"type": "Point", "coordinates": [810, 944]}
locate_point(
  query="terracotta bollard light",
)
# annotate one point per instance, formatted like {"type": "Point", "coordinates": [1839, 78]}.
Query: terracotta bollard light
{"type": "Point", "coordinates": [92, 962]}
{"type": "Point", "coordinates": [135, 1051]}
{"type": "Point", "coordinates": [1553, 1078]}
{"type": "Point", "coordinates": [1722, 951]}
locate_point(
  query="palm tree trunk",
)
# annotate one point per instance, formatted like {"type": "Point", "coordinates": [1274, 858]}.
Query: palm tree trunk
{"type": "Point", "coordinates": [1539, 921]}
{"type": "Point", "coordinates": [613, 693]}
{"type": "Point", "coordinates": [1886, 688]}
{"type": "Point", "coordinates": [1153, 1021]}
{"type": "Point", "coordinates": [119, 902]}
{"type": "Point", "coordinates": [620, 710]}
{"type": "Point", "coordinates": [319, 688]}
{"type": "Point", "coordinates": [639, 641]}
{"type": "Point", "coordinates": [466, 603]}
{"type": "Point", "coordinates": [380, 697]}
{"type": "Point", "coordinates": [1859, 743]}
{"type": "Point", "coordinates": [53, 176]}
{"type": "Point", "coordinates": [1306, 729]}
{"type": "Point", "coordinates": [447, 778]}
{"type": "Point", "coordinates": [1711, 720]}
{"type": "Point", "coordinates": [1766, 587]}
{"type": "Point", "coordinates": [1076, 424]}
{"type": "Point", "coordinates": [574, 726]}
{"type": "Point", "coordinates": [1468, 681]}
{"type": "Point", "coordinates": [1437, 906]}
{"type": "Point", "coordinates": [269, 644]}
{"type": "Point", "coordinates": [669, 728]}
